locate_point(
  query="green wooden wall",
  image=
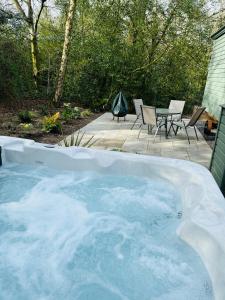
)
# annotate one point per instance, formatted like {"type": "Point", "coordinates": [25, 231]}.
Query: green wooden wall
{"type": "Point", "coordinates": [214, 94]}
{"type": "Point", "coordinates": [217, 166]}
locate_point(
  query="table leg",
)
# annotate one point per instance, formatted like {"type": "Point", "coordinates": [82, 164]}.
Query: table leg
{"type": "Point", "coordinates": [166, 133]}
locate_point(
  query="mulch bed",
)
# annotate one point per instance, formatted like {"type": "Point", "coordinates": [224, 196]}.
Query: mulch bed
{"type": "Point", "coordinates": [10, 123]}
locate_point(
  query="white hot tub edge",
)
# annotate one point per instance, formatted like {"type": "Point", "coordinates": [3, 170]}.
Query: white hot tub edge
{"type": "Point", "coordinates": [203, 215]}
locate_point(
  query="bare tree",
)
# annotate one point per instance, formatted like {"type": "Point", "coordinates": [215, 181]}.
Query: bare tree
{"type": "Point", "coordinates": [65, 53]}
{"type": "Point", "coordinates": [32, 23]}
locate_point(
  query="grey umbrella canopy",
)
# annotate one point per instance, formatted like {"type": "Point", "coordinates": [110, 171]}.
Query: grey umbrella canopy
{"type": "Point", "coordinates": [119, 106]}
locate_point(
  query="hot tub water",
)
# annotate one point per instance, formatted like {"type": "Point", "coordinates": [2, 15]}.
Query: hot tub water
{"type": "Point", "coordinates": [87, 236]}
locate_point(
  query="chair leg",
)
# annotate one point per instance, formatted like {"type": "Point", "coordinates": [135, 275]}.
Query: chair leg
{"type": "Point", "coordinates": [134, 123]}
{"type": "Point", "coordinates": [140, 131]}
{"type": "Point", "coordinates": [169, 129]}
{"type": "Point", "coordinates": [124, 119]}
{"type": "Point", "coordinates": [187, 134]}
{"type": "Point", "coordinates": [113, 117]}
{"type": "Point", "coordinates": [117, 119]}
{"type": "Point", "coordinates": [152, 127]}
{"type": "Point", "coordinates": [173, 130]}
{"type": "Point", "coordinates": [196, 133]}
{"type": "Point", "coordinates": [166, 130]}
{"type": "Point", "coordinates": [157, 129]}
{"type": "Point", "coordinates": [172, 126]}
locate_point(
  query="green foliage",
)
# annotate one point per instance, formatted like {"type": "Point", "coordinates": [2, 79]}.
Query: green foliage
{"type": "Point", "coordinates": [86, 113]}
{"type": "Point", "coordinates": [25, 116]}
{"type": "Point", "coordinates": [99, 105]}
{"type": "Point", "coordinates": [78, 140]}
{"type": "Point", "coordinates": [52, 123]}
{"type": "Point", "coordinates": [155, 50]}
{"type": "Point", "coordinates": [27, 126]}
{"type": "Point", "coordinates": [70, 112]}
{"type": "Point", "coordinates": [15, 67]}
{"type": "Point", "coordinates": [118, 150]}
{"type": "Point", "coordinates": [44, 109]}
{"type": "Point", "coordinates": [14, 79]}
{"type": "Point", "coordinates": [148, 49]}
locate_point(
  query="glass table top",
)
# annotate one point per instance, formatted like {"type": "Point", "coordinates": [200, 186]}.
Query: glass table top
{"type": "Point", "coordinates": [166, 111]}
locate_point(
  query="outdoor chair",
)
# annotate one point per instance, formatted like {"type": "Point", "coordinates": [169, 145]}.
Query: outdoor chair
{"type": "Point", "coordinates": [177, 106]}
{"type": "Point", "coordinates": [149, 118]}
{"type": "Point", "coordinates": [191, 123]}
{"type": "Point", "coordinates": [137, 106]}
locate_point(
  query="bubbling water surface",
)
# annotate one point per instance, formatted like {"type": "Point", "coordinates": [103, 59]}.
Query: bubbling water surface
{"type": "Point", "coordinates": [87, 236]}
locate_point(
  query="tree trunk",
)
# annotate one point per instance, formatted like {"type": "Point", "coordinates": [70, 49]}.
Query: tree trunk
{"type": "Point", "coordinates": [33, 32]}
{"type": "Point", "coordinates": [34, 54]}
{"type": "Point", "coordinates": [65, 53]}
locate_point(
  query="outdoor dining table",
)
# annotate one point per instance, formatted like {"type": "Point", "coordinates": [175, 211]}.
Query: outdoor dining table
{"type": "Point", "coordinates": [165, 113]}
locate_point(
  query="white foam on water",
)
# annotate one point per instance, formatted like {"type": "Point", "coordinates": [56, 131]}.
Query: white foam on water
{"type": "Point", "coordinates": [87, 236]}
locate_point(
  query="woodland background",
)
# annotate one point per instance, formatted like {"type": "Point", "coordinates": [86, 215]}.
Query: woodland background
{"type": "Point", "coordinates": [155, 50]}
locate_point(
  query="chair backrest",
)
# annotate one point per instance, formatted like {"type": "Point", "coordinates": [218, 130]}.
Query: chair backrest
{"type": "Point", "coordinates": [195, 116]}
{"type": "Point", "coordinates": [148, 115]}
{"type": "Point", "coordinates": [177, 105]}
{"type": "Point", "coordinates": [137, 106]}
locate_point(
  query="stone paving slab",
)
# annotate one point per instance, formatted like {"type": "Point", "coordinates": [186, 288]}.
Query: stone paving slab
{"type": "Point", "coordinates": [134, 146]}
{"type": "Point", "coordinates": [112, 135]}
{"type": "Point", "coordinates": [115, 143]}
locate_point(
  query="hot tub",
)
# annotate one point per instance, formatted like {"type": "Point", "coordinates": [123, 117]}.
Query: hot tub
{"type": "Point", "coordinates": [85, 224]}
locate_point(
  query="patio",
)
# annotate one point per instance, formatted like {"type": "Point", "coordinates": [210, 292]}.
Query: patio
{"type": "Point", "coordinates": [112, 135]}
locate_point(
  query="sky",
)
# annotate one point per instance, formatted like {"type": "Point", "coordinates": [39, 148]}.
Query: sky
{"type": "Point", "coordinates": [50, 3]}
{"type": "Point", "coordinates": [213, 5]}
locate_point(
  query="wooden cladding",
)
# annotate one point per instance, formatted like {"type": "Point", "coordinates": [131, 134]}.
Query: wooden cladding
{"type": "Point", "coordinates": [217, 165]}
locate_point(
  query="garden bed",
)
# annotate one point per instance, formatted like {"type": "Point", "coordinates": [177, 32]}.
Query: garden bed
{"type": "Point", "coordinates": [11, 125]}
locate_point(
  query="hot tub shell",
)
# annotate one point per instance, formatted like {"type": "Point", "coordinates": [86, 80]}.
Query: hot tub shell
{"type": "Point", "coordinates": [203, 214]}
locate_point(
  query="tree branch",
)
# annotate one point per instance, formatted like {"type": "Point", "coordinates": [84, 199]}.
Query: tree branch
{"type": "Point", "coordinates": [217, 13]}
{"type": "Point", "coordinates": [6, 14]}
{"type": "Point", "coordinates": [39, 15]}
{"type": "Point", "coordinates": [30, 13]}
{"type": "Point", "coordinates": [159, 38]}
{"type": "Point", "coordinates": [164, 31]}
{"type": "Point", "coordinates": [19, 8]}
{"type": "Point", "coordinates": [168, 47]}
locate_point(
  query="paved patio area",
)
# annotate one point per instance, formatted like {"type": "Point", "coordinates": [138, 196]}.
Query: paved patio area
{"type": "Point", "coordinates": [112, 135]}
